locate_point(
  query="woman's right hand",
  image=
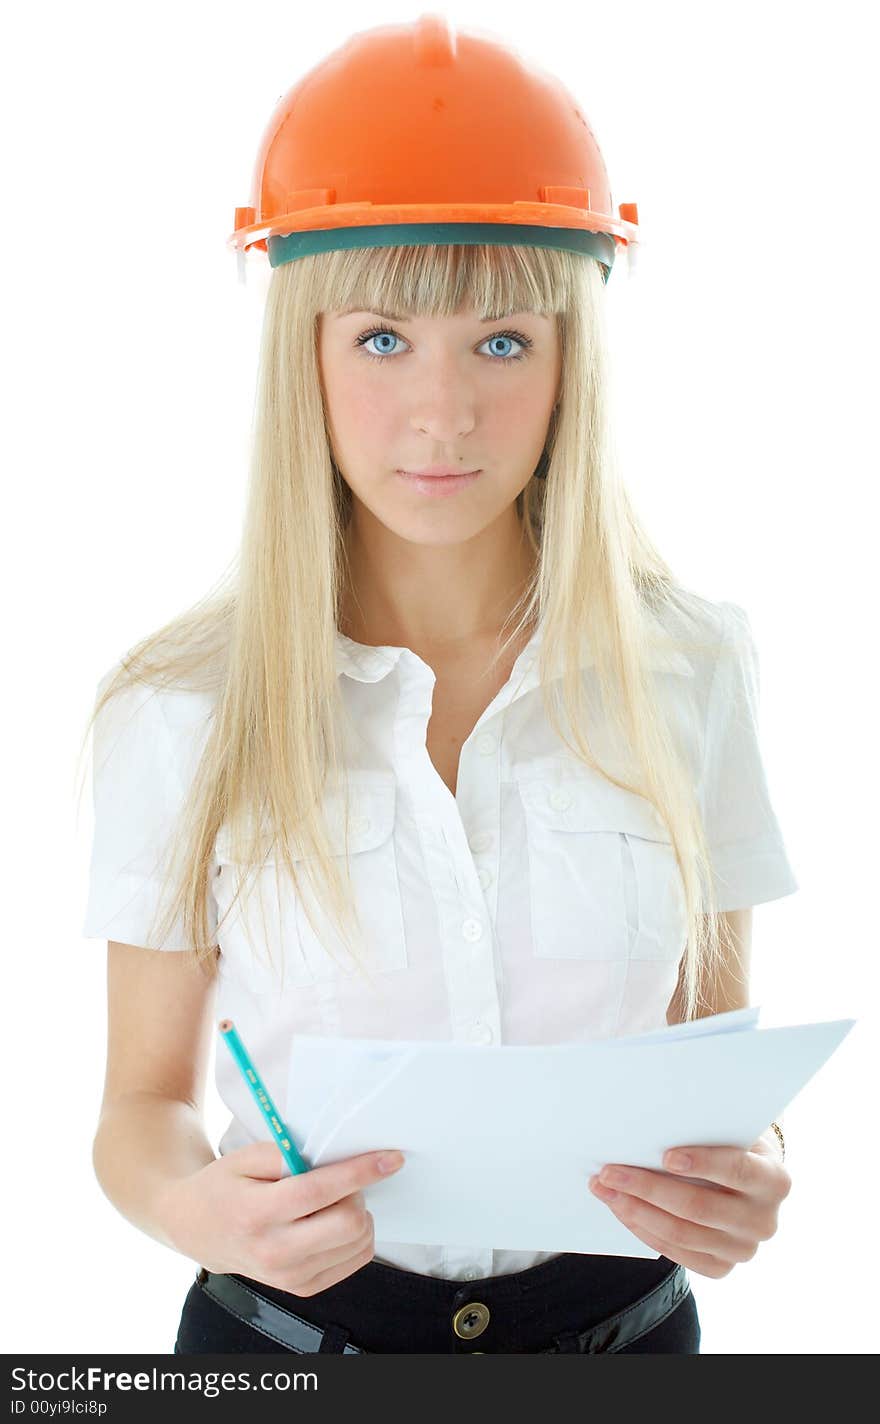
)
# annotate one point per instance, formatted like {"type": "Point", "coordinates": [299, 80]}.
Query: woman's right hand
{"type": "Point", "coordinates": [244, 1213]}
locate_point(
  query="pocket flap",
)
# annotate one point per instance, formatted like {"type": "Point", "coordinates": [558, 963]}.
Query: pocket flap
{"type": "Point", "coordinates": [370, 822]}
{"type": "Point", "coordinates": [578, 803]}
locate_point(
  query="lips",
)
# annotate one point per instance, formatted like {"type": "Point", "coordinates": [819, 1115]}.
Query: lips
{"type": "Point", "coordinates": [436, 474]}
{"type": "Point", "coordinates": [440, 484]}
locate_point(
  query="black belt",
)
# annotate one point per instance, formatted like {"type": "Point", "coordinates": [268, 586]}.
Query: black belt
{"type": "Point", "coordinates": [304, 1338]}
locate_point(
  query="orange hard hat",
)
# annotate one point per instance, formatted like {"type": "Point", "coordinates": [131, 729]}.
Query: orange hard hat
{"type": "Point", "coordinates": [420, 133]}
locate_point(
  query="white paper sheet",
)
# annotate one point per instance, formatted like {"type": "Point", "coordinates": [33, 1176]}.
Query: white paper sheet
{"type": "Point", "coordinates": [499, 1142]}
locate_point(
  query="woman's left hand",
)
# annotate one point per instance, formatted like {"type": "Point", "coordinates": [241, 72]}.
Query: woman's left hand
{"type": "Point", "coordinates": [706, 1229]}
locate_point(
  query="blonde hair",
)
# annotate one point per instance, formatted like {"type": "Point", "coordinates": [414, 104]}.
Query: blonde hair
{"type": "Point", "coordinates": [262, 642]}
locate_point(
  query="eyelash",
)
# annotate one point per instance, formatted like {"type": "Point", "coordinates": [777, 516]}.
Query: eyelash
{"type": "Point", "coordinates": [497, 360]}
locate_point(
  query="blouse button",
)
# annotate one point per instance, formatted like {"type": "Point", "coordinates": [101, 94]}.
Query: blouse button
{"type": "Point", "coordinates": [486, 744]}
{"type": "Point", "coordinates": [484, 876]}
{"type": "Point", "coordinates": [481, 1033]}
{"type": "Point", "coordinates": [560, 800]}
{"type": "Point", "coordinates": [481, 841]}
{"type": "Point", "coordinates": [472, 929]}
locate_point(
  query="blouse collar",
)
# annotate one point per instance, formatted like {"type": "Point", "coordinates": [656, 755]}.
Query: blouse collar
{"type": "Point", "coordinates": [366, 663]}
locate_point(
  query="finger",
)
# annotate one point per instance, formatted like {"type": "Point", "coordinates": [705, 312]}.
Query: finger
{"type": "Point", "coordinates": [708, 1206]}
{"type": "Point", "coordinates": [334, 1274]}
{"type": "Point", "coordinates": [640, 1216]}
{"type": "Point", "coordinates": [296, 1251]}
{"type": "Point", "coordinates": [327, 1257]}
{"type": "Point", "coordinates": [342, 1224]}
{"type": "Point", "coordinates": [312, 1191]}
{"type": "Point", "coordinates": [734, 1167]}
{"type": "Point", "coordinates": [699, 1261]}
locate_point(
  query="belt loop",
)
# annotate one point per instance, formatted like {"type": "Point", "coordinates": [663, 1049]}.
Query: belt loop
{"type": "Point", "coordinates": [334, 1341]}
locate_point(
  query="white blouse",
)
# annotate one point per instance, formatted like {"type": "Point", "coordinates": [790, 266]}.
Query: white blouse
{"type": "Point", "coordinates": [540, 904]}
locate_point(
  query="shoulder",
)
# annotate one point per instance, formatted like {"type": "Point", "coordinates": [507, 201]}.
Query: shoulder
{"type": "Point", "coordinates": [181, 702]}
{"type": "Point", "coordinates": [702, 630]}
{"type": "Point", "coordinates": [147, 720]}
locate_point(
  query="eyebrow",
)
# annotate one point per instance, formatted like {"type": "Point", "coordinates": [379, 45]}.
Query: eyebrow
{"type": "Point", "coordinates": [392, 316]}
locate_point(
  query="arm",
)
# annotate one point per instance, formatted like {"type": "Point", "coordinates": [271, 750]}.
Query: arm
{"type": "Point", "coordinates": [150, 1131]}
{"type": "Point", "coordinates": [143, 1141]}
{"type": "Point", "coordinates": [730, 989]}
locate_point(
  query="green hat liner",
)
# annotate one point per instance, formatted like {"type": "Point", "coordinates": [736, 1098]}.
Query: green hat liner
{"type": "Point", "coordinates": [288, 247]}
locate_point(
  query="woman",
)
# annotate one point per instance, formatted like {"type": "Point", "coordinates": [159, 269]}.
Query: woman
{"type": "Point", "coordinates": [494, 772]}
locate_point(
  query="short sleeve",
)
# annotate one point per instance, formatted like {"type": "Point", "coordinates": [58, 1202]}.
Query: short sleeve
{"type": "Point", "coordinates": [749, 859]}
{"type": "Point", "coordinates": [138, 793]}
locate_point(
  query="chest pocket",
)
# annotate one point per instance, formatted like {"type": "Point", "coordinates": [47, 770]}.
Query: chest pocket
{"type": "Point", "coordinates": [268, 943]}
{"type": "Point", "coordinates": [604, 879]}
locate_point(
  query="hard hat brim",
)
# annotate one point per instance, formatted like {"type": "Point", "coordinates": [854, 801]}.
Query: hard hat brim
{"type": "Point", "coordinates": [593, 234]}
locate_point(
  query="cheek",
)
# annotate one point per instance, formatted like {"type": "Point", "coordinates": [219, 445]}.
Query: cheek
{"type": "Point", "coordinates": [363, 412]}
{"type": "Point", "coordinates": [518, 418]}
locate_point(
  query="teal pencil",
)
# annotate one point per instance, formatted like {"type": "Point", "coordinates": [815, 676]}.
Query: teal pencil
{"type": "Point", "coordinates": [295, 1162]}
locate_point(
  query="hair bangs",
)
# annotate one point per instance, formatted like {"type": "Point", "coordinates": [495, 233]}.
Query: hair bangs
{"type": "Point", "coordinates": [429, 280]}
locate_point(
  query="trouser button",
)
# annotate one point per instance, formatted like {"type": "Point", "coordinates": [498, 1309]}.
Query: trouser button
{"type": "Point", "coordinates": [470, 1320]}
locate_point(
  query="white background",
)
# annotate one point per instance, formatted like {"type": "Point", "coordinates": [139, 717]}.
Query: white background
{"type": "Point", "coordinates": [746, 373]}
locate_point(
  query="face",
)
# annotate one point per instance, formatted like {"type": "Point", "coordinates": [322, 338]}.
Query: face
{"type": "Point", "coordinates": [452, 391]}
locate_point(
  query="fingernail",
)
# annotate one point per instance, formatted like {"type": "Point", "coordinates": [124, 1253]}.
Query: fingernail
{"type": "Point", "coordinates": [599, 1189]}
{"type": "Point", "coordinates": [679, 1161]}
{"type": "Point", "coordinates": [390, 1161]}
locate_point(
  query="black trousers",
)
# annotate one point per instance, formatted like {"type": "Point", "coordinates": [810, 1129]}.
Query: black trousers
{"type": "Point", "coordinates": [382, 1309]}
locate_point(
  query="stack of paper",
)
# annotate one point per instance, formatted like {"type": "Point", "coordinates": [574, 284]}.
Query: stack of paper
{"type": "Point", "coordinates": [500, 1142]}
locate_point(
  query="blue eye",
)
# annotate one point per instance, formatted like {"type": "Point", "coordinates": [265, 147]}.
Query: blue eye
{"type": "Point", "coordinates": [378, 332]}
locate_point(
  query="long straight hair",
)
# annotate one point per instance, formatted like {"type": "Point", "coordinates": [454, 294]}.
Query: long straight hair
{"type": "Point", "coordinates": [262, 642]}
